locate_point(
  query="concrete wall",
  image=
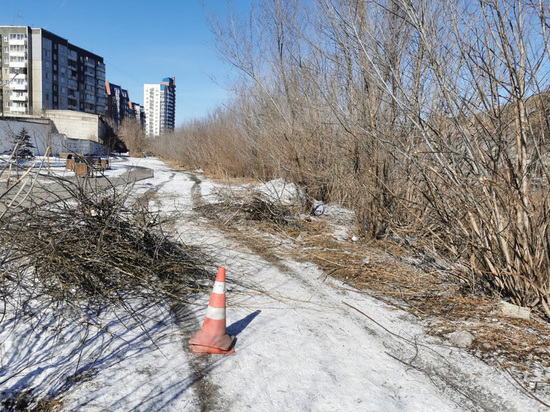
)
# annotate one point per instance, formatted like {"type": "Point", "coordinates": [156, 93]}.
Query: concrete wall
{"type": "Point", "coordinates": [85, 147]}
{"type": "Point", "coordinates": [42, 132]}
{"type": "Point", "coordinates": [77, 125]}
{"type": "Point", "coordinates": [38, 129]}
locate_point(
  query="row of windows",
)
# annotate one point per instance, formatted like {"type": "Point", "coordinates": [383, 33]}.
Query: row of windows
{"type": "Point", "coordinates": [16, 70]}
{"type": "Point", "coordinates": [15, 81]}
{"type": "Point", "coordinates": [15, 104]}
{"type": "Point", "coordinates": [18, 59]}
{"type": "Point", "coordinates": [15, 48]}
{"type": "Point", "coordinates": [16, 36]}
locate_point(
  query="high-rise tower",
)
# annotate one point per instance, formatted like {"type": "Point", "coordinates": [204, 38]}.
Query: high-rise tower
{"type": "Point", "coordinates": [160, 107]}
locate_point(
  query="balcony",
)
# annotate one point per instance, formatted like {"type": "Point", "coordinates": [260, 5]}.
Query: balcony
{"type": "Point", "coordinates": [22, 98]}
{"type": "Point", "coordinates": [18, 111]}
{"type": "Point", "coordinates": [19, 65]}
{"type": "Point", "coordinates": [20, 76]}
{"type": "Point", "coordinates": [18, 42]}
{"type": "Point", "coordinates": [18, 86]}
{"type": "Point", "coordinates": [18, 54]}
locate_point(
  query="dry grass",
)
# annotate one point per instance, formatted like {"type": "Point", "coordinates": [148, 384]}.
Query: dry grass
{"type": "Point", "coordinates": [389, 272]}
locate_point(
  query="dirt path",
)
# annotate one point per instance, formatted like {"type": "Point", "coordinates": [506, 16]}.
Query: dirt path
{"type": "Point", "coordinates": [304, 345]}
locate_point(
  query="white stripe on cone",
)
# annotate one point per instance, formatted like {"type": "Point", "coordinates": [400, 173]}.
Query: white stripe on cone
{"type": "Point", "coordinates": [215, 313]}
{"type": "Point", "coordinates": [219, 288]}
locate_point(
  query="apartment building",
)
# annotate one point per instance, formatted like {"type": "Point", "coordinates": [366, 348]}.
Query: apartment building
{"type": "Point", "coordinates": [42, 71]}
{"type": "Point", "coordinates": [118, 103]}
{"type": "Point", "coordinates": [138, 112]}
{"type": "Point", "coordinates": [160, 107]}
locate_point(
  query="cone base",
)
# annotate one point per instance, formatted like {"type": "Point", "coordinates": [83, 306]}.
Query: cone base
{"type": "Point", "coordinates": [223, 342]}
{"type": "Point", "coordinates": [208, 349]}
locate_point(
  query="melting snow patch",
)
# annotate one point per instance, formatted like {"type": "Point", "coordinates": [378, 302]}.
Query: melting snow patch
{"type": "Point", "coordinates": [279, 191]}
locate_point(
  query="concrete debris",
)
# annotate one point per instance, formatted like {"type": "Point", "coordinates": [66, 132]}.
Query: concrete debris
{"type": "Point", "coordinates": [462, 339]}
{"type": "Point", "coordinates": [514, 311]}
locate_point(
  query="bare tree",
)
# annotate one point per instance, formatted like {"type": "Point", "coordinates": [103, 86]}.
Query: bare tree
{"type": "Point", "coordinates": [133, 135]}
{"type": "Point", "coordinates": [427, 117]}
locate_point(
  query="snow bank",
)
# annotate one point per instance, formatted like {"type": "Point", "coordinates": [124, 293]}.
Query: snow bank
{"type": "Point", "coordinates": [279, 191]}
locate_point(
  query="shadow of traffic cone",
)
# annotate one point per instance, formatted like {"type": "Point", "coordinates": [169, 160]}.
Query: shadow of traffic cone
{"type": "Point", "coordinates": [213, 338]}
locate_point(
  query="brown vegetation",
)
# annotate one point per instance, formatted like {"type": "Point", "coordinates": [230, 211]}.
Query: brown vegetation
{"type": "Point", "coordinates": [428, 118]}
{"type": "Point", "coordinates": [70, 250]}
{"type": "Point", "coordinates": [133, 136]}
{"type": "Point", "coordinates": [433, 291]}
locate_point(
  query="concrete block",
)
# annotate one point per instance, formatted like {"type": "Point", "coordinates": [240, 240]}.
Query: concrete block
{"type": "Point", "coordinates": [514, 311]}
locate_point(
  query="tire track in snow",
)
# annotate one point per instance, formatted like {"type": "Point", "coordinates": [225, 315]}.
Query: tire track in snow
{"type": "Point", "coordinates": [207, 394]}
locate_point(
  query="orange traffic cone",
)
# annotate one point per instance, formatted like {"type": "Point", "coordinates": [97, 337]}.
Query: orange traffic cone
{"type": "Point", "coordinates": [213, 337]}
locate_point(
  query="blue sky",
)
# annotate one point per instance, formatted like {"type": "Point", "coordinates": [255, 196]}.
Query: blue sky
{"type": "Point", "coordinates": [141, 42]}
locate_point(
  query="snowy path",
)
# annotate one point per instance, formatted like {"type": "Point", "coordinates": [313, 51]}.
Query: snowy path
{"type": "Point", "coordinates": [299, 346]}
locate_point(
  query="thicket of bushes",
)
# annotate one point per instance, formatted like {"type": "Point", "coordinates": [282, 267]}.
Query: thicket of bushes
{"type": "Point", "coordinates": [427, 117]}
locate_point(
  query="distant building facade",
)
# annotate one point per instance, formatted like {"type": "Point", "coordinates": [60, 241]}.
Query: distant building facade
{"type": "Point", "coordinates": [138, 112]}
{"type": "Point", "coordinates": [42, 71]}
{"type": "Point", "coordinates": [118, 103]}
{"type": "Point", "coordinates": [160, 107]}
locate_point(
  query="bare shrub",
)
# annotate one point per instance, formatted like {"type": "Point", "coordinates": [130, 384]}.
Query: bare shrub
{"type": "Point", "coordinates": [133, 136]}
{"type": "Point", "coordinates": [428, 118]}
{"type": "Point", "coordinates": [216, 144]}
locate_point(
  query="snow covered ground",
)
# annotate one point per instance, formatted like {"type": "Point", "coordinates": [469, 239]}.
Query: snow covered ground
{"type": "Point", "coordinates": [302, 344]}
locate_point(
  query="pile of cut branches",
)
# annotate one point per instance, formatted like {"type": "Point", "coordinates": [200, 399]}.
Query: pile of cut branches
{"type": "Point", "coordinates": [95, 245]}
{"type": "Point", "coordinates": [81, 263]}
{"type": "Point", "coordinates": [233, 208]}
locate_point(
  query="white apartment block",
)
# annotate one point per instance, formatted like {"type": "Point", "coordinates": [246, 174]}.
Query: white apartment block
{"type": "Point", "coordinates": [42, 71]}
{"type": "Point", "coordinates": [160, 107]}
